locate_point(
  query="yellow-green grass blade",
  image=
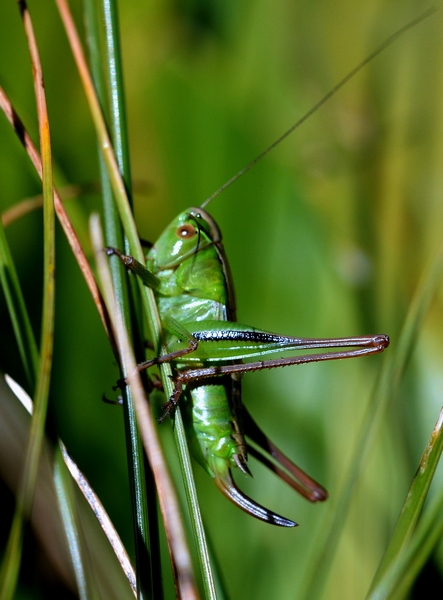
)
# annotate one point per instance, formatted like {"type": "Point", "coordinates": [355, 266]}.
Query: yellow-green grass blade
{"type": "Point", "coordinates": [12, 560]}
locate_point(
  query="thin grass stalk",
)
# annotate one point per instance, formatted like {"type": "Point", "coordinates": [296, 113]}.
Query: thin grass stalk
{"type": "Point", "coordinates": [103, 68]}
{"type": "Point", "coordinates": [185, 583]}
{"type": "Point", "coordinates": [71, 235]}
{"type": "Point", "coordinates": [12, 560]}
{"type": "Point", "coordinates": [28, 205]}
{"type": "Point", "coordinates": [147, 295]}
{"type": "Point", "coordinates": [384, 391]}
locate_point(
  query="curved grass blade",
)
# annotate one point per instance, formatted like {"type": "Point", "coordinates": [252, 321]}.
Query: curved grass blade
{"type": "Point", "coordinates": [102, 518]}
{"type": "Point", "coordinates": [86, 584]}
{"type": "Point", "coordinates": [426, 537]}
{"type": "Point", "coordinates": [68, 192]}
{"type": "Point", "coordinates": [28, 205]}
{"type": "Point", "coordinates": [59, 507]}
{"type": "Point", "coordinates": [401, 551]}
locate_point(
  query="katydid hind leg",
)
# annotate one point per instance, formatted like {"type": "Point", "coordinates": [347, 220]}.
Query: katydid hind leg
{"type": "Point", "coordinates": [290, 473]}
{"type": "Point", "coordinates": [371, 345]}
{"type": "Point", "coordinates": [375, 345]}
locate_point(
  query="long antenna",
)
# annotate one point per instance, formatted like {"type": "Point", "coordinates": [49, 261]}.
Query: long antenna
{"type": "Point", "coordinates": [390, 40]}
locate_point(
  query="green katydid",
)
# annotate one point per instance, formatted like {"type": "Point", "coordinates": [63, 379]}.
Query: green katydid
{"type": "Point", "coordinates": [189, 272]}
{"type": "Point", "coordinates": [195, 297]}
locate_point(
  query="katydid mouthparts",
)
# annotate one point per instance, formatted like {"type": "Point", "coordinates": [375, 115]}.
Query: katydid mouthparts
{"type": "Point", "coordinates": [189, 273]}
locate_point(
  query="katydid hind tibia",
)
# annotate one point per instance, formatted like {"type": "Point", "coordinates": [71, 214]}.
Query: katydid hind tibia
{"type": "Point", "coordinates": [189, 272]}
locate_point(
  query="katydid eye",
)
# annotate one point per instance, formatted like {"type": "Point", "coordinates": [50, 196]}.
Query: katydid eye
{"type": "Point", "coordinates": [186, 232]}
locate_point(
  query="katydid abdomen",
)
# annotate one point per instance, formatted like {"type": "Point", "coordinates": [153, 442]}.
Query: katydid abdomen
{"type": "Point", "coordinates": [218, 442]}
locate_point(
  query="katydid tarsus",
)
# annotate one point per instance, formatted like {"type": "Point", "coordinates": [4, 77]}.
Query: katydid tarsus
{"type": "Point", "coordinates": [209, 349]}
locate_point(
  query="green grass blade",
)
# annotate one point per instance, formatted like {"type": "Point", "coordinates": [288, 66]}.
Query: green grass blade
{"type": "Point", "coordinates": [104, 67]}
{"type": "Point", "coordinates": [116, 94]}
{"type": "Point", "coordinates": [194, 508]}
{"type": "Point", "coordinates": [87, 589]}
{"type": "Point", "coordinates": [394, 566]}
{"type": "Point", "coordinates": [428, 533]}
{"type": "Point", "coordinates": [119, 132]}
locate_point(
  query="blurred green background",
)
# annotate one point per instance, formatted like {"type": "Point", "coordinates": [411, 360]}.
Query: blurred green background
{"type": "Point", "coordinates": [327, 237]}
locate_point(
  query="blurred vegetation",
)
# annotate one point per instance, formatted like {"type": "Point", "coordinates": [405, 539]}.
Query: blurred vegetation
{"type": "Point", "coordinates": [327, 237]}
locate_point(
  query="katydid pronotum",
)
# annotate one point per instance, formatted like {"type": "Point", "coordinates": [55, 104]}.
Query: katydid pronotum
{"type": "Point", "coordinates": [188, 270]}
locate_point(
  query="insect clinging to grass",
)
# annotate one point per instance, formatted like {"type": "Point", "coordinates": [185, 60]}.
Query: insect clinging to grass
{"type": "Point", "coordinates": [195, 297]}
{"type": "Point", "coordinates": [210, 351]}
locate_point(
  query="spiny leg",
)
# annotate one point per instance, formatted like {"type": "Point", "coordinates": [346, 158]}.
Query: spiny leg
{"type": "Point", "coordinates": [373, 345]}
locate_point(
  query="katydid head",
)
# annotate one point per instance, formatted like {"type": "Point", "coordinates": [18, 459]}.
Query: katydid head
{"type": "Point", "coordinates": [191, 231]}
